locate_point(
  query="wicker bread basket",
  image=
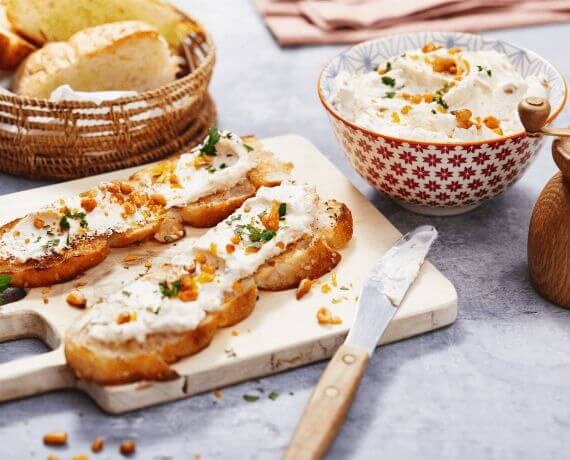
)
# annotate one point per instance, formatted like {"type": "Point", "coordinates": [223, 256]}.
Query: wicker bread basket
{"type": "Point", "coordinates": [65, 140]}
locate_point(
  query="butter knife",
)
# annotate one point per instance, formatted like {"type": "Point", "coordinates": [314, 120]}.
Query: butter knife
{"type": "Point", "coordinates": [381, 296]}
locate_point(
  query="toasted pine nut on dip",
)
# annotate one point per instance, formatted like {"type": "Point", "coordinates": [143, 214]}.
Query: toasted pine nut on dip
{"type": "Point", "coordinates": [427, 94]}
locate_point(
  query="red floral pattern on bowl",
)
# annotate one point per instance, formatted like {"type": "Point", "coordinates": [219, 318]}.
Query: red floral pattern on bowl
{"type": "Point", "coordinates": [436, 178]}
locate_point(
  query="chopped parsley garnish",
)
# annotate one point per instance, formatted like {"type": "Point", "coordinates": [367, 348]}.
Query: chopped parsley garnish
{"type": "Point", "coordinates": [211, 169]}
{"type": "Point", "coordinates": [232, 219]}
{"type": "Point", "coordinates": [256, 235]}
{"type": "Point", "coordinates": [434, 112]}
{"type": "Point", "coordinates": [439, 101]}
{"type": "Point", "coordinates": [155, 311]}
{"type": "Point", "coordinates": [5, 281]}
{"type": "Point", "coordinates": [209, 148]}
{"type": "Point", "coordinates": [375, 68]}
{"type": "Point", "coordinates": [52, 243]}
{"type": "Point", "coordinates": [126, 293]}
{"type": "Point", "coordinates": [282, 210]}
{"type": "Point", "coordinates": [169, 289]}
{"type": "Point", "coordinates": [488, 71]}
{"type": "Point", "coordinates": [389, 81]}
{"type": "Point", "coordinates": [248, 147]}
{"type": "Point", "coordinates": [250, 398]}
{"type": "Point", "coordinates": [223, 166]}
{"type": "Point", "coordinates": [64, 221]}
{"type": "Point", "coordinates": [388, 66]}
{"type": "Point", "coordinates": [273, 395]}
{"type": "Point", "coordinates": [389, 95]}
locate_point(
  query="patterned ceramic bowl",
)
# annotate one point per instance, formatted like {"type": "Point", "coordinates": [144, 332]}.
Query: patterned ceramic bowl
{"type": "Point", "coordinates": [429, 177]}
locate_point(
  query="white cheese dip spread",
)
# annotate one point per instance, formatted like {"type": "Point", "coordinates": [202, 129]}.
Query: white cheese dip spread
{"type": "Point", "coordinates": [438, 94]}
{"type": "Point", "coordinates": [220, 162]}
{"type": "Point", "coordinates": [220, 264]}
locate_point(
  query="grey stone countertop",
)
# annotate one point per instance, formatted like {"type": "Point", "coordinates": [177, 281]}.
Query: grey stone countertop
{"type": "Point", "coordinates": [494, 385]}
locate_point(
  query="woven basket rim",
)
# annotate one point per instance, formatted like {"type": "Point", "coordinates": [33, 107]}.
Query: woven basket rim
{"type": "Point", "coordinates": [11, 97]}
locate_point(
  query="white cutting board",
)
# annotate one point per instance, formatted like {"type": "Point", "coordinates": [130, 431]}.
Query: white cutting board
{"type": "Point", "coordinates": [282, 332]}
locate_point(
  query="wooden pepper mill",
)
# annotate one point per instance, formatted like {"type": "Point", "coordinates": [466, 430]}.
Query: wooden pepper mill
{"type": "Point", "coordinates": [549, 232]}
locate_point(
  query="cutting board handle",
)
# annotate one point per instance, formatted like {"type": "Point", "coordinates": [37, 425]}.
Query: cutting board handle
{"type": "Point", "coordinates": [35, 374]}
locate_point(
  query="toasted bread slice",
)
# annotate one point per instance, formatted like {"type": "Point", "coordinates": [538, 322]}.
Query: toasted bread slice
{"type": "Point", "coordinates": [13, 48]}
{"type": "Point", "coordinates": [314, 255]}
{"type": "Point", "coordinates": [211, 209]}
{"type": "Point", "coordinates": [100, 349]}
{"type": "Point", "coordinates": [127, 55]}
{"type": "Point", "coordinates": [164, 227]}
{"type": "Point", "coordinates": [150, 360]}
{"type": "Point", "coordinates": [57, 20]}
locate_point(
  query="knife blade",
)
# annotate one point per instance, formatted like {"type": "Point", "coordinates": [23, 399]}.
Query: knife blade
{"type": "Point", "coordinates": [381, 296]}
{"type": "Point", "coordinates": [387, 285]}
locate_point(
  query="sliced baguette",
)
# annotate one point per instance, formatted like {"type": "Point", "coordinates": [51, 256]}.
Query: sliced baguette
{"type": "Point", "coordinates": [131, 361]}
{"type": "Point", "coordinates": [127, 361]}
{"type": "Point", "coordinates": [13, 48]}
{"type": "Point", "coordinates": [127, 55]}
{"type": "Point", "coordinates": [56, 268]}
{"type": "Point", "coordinates": [313, 256]}
{"type": "Point", "coordinates": [44, 21]}
{"type": "Point", "coordinates": [205, 212]}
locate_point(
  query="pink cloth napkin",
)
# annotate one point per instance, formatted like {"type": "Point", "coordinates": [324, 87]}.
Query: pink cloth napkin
{"type": "Point", "coordinates": [301, 22]}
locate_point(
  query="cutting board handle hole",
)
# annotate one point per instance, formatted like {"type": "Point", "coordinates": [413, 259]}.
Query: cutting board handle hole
{"type": "Point", "coordinates": [26, 325]}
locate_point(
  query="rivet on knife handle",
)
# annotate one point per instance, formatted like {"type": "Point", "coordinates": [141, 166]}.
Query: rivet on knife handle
{"type": "Point", "coordinates": [329, 402]}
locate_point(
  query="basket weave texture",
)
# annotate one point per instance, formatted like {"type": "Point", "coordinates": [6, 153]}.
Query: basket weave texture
{"type": "Point", "coordinates": [66, 140]}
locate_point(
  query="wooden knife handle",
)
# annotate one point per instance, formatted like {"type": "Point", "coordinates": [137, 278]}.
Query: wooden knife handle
{"type": "Point", "coordinates": [329, 402]}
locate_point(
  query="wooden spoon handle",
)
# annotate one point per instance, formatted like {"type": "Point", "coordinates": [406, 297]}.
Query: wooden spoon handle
{"type": "Point", "coordinates": [329, 402]}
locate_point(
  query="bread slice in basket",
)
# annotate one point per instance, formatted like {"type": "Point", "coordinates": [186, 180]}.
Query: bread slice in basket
{"type": "Point", "coordinates": [56, 20]}
{"type": "Point", "coordinates": [130, 56]}
{"type": "Point", "coordinates": [173, 313]}
{"type": "Point", "coordinates": [202, 187]}
{"type": "Point", "coordinates": [13, 48]}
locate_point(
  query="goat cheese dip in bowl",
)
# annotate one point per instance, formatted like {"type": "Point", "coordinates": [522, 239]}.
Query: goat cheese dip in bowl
{"type": "Point", "coordinates": [431, 119]}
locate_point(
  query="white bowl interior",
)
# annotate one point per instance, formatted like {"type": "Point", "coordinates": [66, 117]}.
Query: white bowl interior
{"type": "Point", "coordinates": [365, 56]}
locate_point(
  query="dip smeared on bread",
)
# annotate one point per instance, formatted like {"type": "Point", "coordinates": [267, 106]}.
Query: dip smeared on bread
{"type": "Point", "coordinates": [199, 188]}
{"type": "Point", "coordinates": [199, 282]}
{"type": "Point", "coordinates": [438, 94]}
{"type": "Point", "coordinates": [273, 241]}
{"type": "Point", "coordinates": [116, 207]}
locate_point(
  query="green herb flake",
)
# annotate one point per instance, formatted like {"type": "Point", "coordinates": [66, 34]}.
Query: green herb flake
{"type": "Point", "coordinates": [209, 148]}
{"type": "Point", "coordinates": [434, 112]}
{"type": "Point", "coordinates": [480, 68]}
{"type": "Point", "coordinates": [440, 101]}
{"type": "Point", "coordinates": [248, 147]}
{"type": "Point", "coordinates": [389, 95]}
{"type": "Point", "coordinates": [223, 166]}
{"type": "Point", "coordinates": [282, 210]}
{"type": "Point", "coordinates": [489, 73]}
{"type": "Point", "coordinates": [126, 293]}
{"type": "Point", "coordinates": [273, 395]}
{"type": "Point", "coordinates": [250, 398]}
{"type": "Point", "coordinates": [388, 66]}
{"type": "Point", "coordinates": [5, 281]}
{"type": "Point", "coordinates": [64, 221]}
{"type": "Point", "coordinates": [389, 81]}
{"type": "Point", "coordinates": [256, 235]}
{"type": "Point", "coordinates": [169, 290]}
